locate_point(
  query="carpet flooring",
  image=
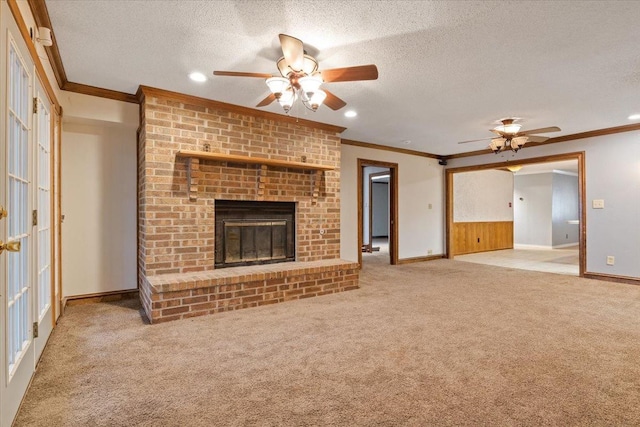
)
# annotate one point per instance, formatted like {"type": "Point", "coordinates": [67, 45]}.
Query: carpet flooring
{"type": "Point", "coordinates": [435, 343]}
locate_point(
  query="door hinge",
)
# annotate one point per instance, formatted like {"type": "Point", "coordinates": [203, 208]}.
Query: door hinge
{"type": "Point", "coordinates": [35, 329]}
{"type": "Point", "coordinates": [35, 105]}
{"type": "Point", "coordinates": [34, 218]}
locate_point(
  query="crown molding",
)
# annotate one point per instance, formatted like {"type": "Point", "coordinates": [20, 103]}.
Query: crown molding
{"type": "Point", "coordinates": [387, 148]}
{"type": "Point", "coordinates": [100, 92]}
{"type": "Point", "coordinates": [563, 138]}
{"type": "Point", "coordinates": [42, 19]}
{"type": "Point", "coordinates": [144, 91]}
{"type": "Point", "coordinates": [24, 31]}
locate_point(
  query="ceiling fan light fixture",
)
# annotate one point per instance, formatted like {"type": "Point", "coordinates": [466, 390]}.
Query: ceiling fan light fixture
{"type": "Point", "coordinates": [287, 99]}
{"type": "Point", "coordinates": [509, 128]}
{"type": "Point", "coordinates": [317, 99]}
{"type": "Point", "coordinates": [309, 65]}
{"type": "Point", "coordinates": [310, 84]}
{"type": "Point", "coordinates": [277, 85]}
{"type": "Point", "coordinates": [519, 141]}
{"type": "Point", "coordinates": [497, 144]}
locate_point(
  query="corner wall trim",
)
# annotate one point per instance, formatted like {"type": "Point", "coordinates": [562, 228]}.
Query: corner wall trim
{"type": "Point", "coordinates": [420, 259]}
{"type": "Point", "coordinates": [613, 278]}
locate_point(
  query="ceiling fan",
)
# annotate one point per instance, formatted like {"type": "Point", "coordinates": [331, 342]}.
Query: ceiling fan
{"type": "Point", "coordinates": [300, 78]}
{"type": "Point", "coordinates": [510, 136]}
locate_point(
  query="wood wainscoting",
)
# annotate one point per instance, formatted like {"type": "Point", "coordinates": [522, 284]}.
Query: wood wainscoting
{"type": "Point", "coordinates": [470, 237]}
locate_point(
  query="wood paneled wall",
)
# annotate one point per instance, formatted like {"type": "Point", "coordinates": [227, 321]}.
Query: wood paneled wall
{"type": "Point", "coordinates": [470, 237]}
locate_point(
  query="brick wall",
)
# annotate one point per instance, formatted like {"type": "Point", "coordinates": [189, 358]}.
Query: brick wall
{"type": "Point", "coordinates": [176, 232]}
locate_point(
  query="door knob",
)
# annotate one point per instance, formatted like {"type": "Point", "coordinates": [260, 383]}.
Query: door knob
{"type": "Point", "coordinates": [3, 212]}
{"type": "Point", "coordinates": [10, 246]}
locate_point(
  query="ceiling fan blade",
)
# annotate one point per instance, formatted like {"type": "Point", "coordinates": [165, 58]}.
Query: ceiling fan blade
{"type": "Point", "coordinates": [293, 52]}
{"type": "Point", "coordinates": [536, 138]}
{"type": "Point", "coordinates": [333, 101]}
{"type": "Point", "coordinates": [240, 74]}
{"type": "Point", "coordinates": [541, 130]}
{"type": "Point", "coordinates": [476, 140]}
{"type": "Point", "coordinates": [350, 74]}
{"type": "Point", "coordinates": [268, 100]}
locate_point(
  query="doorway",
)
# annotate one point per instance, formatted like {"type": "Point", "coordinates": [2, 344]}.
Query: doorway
{"type": "Point", "coordinates": [547, 218]}
{"type": "Point", "coordinates": [377, 210]}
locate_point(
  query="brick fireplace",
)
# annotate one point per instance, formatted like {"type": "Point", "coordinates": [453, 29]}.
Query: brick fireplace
{"type": "Point", "coordinates": [195, 154]}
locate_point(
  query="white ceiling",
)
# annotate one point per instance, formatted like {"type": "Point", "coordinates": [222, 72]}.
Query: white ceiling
{"type": "Point", "coordinates": [447, 70]}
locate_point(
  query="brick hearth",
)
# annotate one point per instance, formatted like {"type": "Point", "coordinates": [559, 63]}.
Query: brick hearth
{"type": "Point", "coordinates": [177, 296]}
{"type": "Point", "coordinates": [177, 197]}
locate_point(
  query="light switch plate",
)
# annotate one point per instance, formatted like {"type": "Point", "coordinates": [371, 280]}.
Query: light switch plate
{"type": "Point", "coordinates": [598, 204]}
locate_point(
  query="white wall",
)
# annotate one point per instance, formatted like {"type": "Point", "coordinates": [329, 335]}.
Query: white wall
{"type": "Point", "coordinates": [98, 195]}
{"type": "Point", "coordinates": [481, 196]}
{"type": "Point", "coordinates": [420, 184]}
{"type": "Point", "coordinates": [532, 197]}
{"type": "Point", "coordinates": [612, 174]}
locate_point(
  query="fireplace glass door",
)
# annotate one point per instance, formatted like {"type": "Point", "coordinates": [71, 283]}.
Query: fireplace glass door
{"type": "Point", "coordinates": [247, 241]}
{"type": "Point", "coordinates": [250, 233]}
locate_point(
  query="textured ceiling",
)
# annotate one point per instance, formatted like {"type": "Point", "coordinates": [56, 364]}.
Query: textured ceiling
{"type": "Point", "coordinates": [447, 70]}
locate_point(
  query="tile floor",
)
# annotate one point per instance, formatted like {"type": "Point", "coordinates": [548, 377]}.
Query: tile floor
{"type": "Point", "coordinates": [560, 261]}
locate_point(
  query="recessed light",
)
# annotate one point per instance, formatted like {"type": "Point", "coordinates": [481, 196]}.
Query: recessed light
{"type": "Point", "coordinates": [350, 113]}
{"type": "Point", "coordinates": [634, 117]}
{"type": "Point", "coordinates": [198, 77]}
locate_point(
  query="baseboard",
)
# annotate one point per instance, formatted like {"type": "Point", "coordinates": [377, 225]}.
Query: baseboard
{"type": "Point", "coordinates": [479, 251]}
{"type": "Point", "coordinates": [613, 278]}
{"type": "Point", "coordinates": [524, 246]}
{"type": "Point", "coordinates": [419, 259]}
{"type": "Point", "coordinates": [565, 245]}
{"type": "Point", "coordinates": [99, 297]}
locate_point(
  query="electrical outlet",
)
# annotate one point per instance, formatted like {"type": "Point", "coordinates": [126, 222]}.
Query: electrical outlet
{"type": "Point", "coordinates": [598, 204]}
{"type": "Point", "coordinates": [429, 252]}
{"type": "Point", "coordinates": [430, 206]}
{"type": "Point", "coordinates": [611, 260]}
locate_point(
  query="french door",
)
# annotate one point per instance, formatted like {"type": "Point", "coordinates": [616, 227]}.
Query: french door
{"type": "Point", "coordinates": [25, 194]}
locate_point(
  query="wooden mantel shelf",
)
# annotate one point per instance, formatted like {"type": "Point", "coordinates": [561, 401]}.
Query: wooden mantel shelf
{"type": "Point", "coordinates": [193, 170]}
{"type": "Point", "coordinates": [251, 160]}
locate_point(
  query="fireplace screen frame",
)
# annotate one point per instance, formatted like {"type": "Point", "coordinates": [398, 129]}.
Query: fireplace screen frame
{"type": "Point", "coordinates": [239, 225]}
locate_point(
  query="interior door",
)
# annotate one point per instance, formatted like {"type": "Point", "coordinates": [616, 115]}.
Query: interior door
{"type": "Point", "coordinates": [16, 195]}
{"type": "Point", "coordinates": [42, 231]}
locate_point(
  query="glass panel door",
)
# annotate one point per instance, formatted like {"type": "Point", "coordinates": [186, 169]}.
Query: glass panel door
{"type": "Point", "coordinates": [18, 285]}
{"type": "Point", "coordinates": [42, 295]}
{"type": "Point", "coordinates": [17, 304]}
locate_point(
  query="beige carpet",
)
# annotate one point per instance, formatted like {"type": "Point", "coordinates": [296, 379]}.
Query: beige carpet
{"type": "Point", "coordinates": [436, 343]}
